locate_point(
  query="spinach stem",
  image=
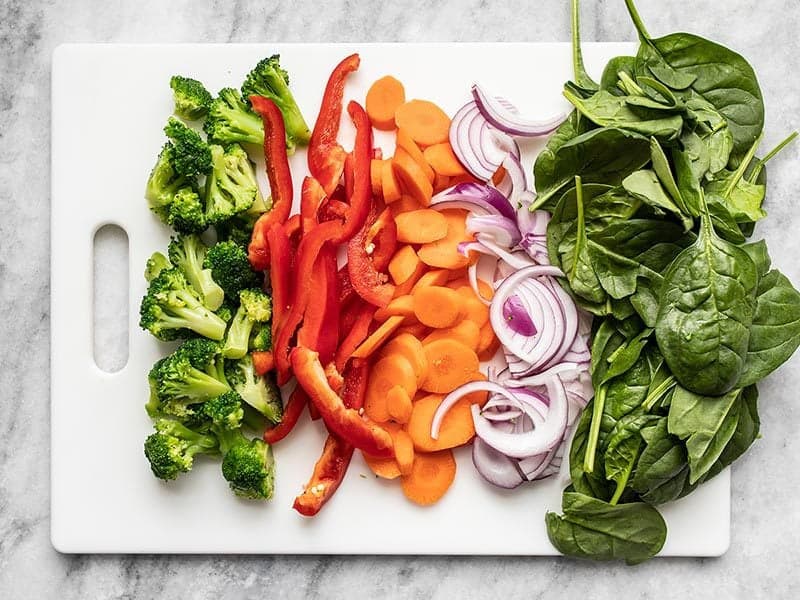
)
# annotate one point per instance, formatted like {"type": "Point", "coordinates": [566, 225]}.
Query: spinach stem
{"type": "Point", "coordinates": [594, 429]}
{"type": "Point", "coordinates": [659, 391]}
{"type": "Point", "coordinates": [577, 56]}
{"type": "Point", "coordinates": [637, 20]}
{"type": "Point", "coordinates": [746, 160]}
{"type": "Point", "coordinates": [620, 488]}
{"type": "Point", "coordinates": [580, 231]}
{"type": "Point", "coordinates": [771, 154]}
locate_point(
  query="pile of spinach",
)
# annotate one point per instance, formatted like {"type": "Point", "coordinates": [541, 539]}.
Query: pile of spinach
{"type": "Point", "coordinates": [654, 188]}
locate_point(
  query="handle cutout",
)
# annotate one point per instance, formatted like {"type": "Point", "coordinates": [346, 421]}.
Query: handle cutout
{"type": "Point", "coordinates": [110, 298]}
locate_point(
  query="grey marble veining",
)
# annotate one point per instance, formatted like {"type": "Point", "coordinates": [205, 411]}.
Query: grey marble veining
{"type": "Point", "coordinates": [763, 558]}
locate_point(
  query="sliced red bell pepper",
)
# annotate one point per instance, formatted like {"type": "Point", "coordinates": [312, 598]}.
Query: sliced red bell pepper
{"type": "Point", "coordinates": [343, 422]}
{"type": "Point", "coordinates": [329, 471]}
{"type": "Point", "coordinates": [360, 200]}
{"type": "Point", "coordinates": [356, 333]}
{"type": "Point", "coordinates": [346, 291]}
{"type": "Point", "coordinates": [333, 209]}
{"type": "Point", "coordinates": [335, 379]}
{"type": "Point", "coordinates": [320, 329]}
{"type": "Point", "coordinates": [369, 283]}
{"type": "Point", "coordinates": [355, 378]}
{"type": "Point", "coordinates": [382, 238]}
{"type": "Point", "coordinates": [311, 199]}
{"type": "Point", "coordinates": [348, 174]}
{"type": "Point", "coordinates": [291, 414]}
{"type": "Point", "coordinates": [280, 180]}
{"type": "Point", "coordinates": [325, 156]}
{"type": "Point", "coordinates": [263, 361]}
{"type": "Point", "coordinates": [310, 246]}
{"type": "Point", "coordinates": [280, 262]}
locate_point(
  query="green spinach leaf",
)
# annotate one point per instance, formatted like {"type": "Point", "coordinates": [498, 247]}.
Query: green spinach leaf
{"type": "Point", "coordinates": [624, 445]}
{"type": "Point", "coordinates": [662, 471]}
{"type": "Point", "coordinates": [617, 65]}
{"type": "Point", "coordinates": [646, 186]}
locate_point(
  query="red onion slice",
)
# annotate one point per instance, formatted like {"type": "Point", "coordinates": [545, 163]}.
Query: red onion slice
{"type": "Point", "coordinates": [473, 386]}
{"type": "Point", "coordinates": [517, 317]}
{"type": "Point", "coordinates": [495, 467]}
{"type": "Point", "coordinates": [502, 230]}
{"type": "Point", "coordinates": [497, 112]}
{"type": "Point", "coordinates": [476, 197]}
{"type": "Point", "coordinates": [478, 146]}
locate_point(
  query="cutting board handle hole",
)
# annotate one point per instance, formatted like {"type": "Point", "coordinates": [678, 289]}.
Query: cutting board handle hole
{"type": "Point", "coordinates": [110, 298]}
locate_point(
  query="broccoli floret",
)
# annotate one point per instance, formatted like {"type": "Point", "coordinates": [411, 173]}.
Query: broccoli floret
{"type": "Point", "coordinates": [262, 393]}
{"type": "Point", "coordinates": [172, 309]}
{"type": "Point", "coordinates": [230, 268]}
{"type": "Point", "coordinates": [231, 188]}
{"type": "Point", "coordinates": [236, 230]}
{"type": "Point", "coordinates": [164, 182]}
{"type": "Point", "coordinates": [171, 449]}
{"type": "Point", "coordinates": [187, 213]}
{"type": "Point", "coordinates": [192, 156]}
{"type": "Point", "coordinates": [187, 253]}
{"type": "Point", "coordinates": [225, 312]}
{"type": "Point", "coordinates": [254, 307]}
{"type": "Point", "coordinates": [153, 406]}
{"type": "Point", "coordinates": [261, 339]}
{"type": "Point", "coordinates": [230, 120]}
{"type": "Point", "coordinates": [225, 411]}
{"type": "Point", "coordinates": [269, 80]}
{"type": "Point", "coordinates": [189, 376]}
{"type": "Point", "coordinates": [155, 264]}
{"type": "Point", "coordinates": [191, 97]}
{"type": "Point", "coordinates": [248, 465]}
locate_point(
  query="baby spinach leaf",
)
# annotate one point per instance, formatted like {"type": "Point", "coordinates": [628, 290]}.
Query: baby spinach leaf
{"type": "Point", "coordinates": [591, 483]}
{"type": "Point", "coordinates": [746, 432]}
{"type": "Point", "coordinates": [617, 65]}
{"type": "Point", "coordinates": [664, 173]}
{"type": "Point", "coordinates": [706, 303]}
{"type": "Point", "coordinates": [646, 186]}
{"type": "Point", "coordinates": [775, 332]}
{"type": "Point", "coordinates": [591, 528]}
{"type": "Point", "coordinates": [705, 423]}
{"type": "Point", "coordinates": [627, 356]}
{"type": "Point", "coordinates": [759, 255]}
{"type": "Point", "coordinates": [582, 79]}
{"type": "Point", "coordinates": [724, 224]}
{"type": "Point", "coordinates": [691, 159]}
{"type": "Point", "coordinates": [662, 471]}
{"type": "Point", "coordinates": [624, 445]}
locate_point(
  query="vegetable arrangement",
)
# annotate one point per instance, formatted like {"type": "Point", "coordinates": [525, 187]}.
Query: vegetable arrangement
{"type": "Point", "coordinates": [654, 188]}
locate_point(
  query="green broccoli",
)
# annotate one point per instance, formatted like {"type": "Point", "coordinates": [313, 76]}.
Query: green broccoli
{"type": "Point", "coordinates": [248, 465]}
{"type": "Point", "coordinates": [155, 264]}
{"type": "Point", "coordinates": [171, 449]}
{"type": "Point", "coordinates": [191, 97]}
{"type": "Point", "coordinates": [192, 156]}
{"type": "Point", "coordinates": [262, 393]}
{"type": "Point", "coordinates": [153, 406]}
{"type": "Point", "coordinates": [187, 253]}
{"type": "Point", "coordinates": [230, 120]}
{"type": "Point", "coordinates": [231, 188]}
{"type": "Point", "coordinates": [240, 228]}
{"type": "Point", "coordinates": [186, 212]}
{"type": "Point", "coordinates": [225, 312]}
{"type": "Point", "coordinates": [164, 182]}
{"type": "Point", "coordinates": [269, 80]}
{"type": "Point", "coordinates": [225, 411]}
{"type": "Point", "coordinates": [172, 309]}
{"type": "Point", "coordinates": [230, 268]}
{"type": "Point", "coordinates": [190, 375]}
{"type": "Point", "coordinates": [261, 339]}
{"type": "Point", "coordinates": [254, 307]}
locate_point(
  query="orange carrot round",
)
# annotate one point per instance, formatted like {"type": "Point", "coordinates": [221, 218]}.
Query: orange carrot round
{"type": "Point", "coordinates": [443, 160]}
{"type": "Point", "coordinates": [444, 253]}
{"type": "Point", "coordinates": [408, 285]}
{"type": "Point", "coordinates": [383, 98]}
{"type": "Point", "coordinates": [388, 372]}
{"type": "Point", "coordinates": [466, 332]}
{"type": "Point", "coordinates": [403, 451]}
{"type": "Point", "coordinates": [411, 349]}
{"type": "Point", "coordinates": [405, 142]}
{"type": "Point", "coordinates": [426, 123]}
{"type": "Point", "coordinates": [418, 330]}
{"type": "Point", "coordinates": [390, 186]}
{"type": "Point", "coordinates": [474, 310]}
{"type": "Point", "coordinates": [450, 364]}
{"type": "Point", "coordinates": [378, 337]}
{"type": "Point", "coordinates": [412, 178]}
{"type": "Point", "coordinates": [440, 182]}
{"type": "Point", "coordinates": [375, 175]}
{"type": "Point", "coordinates": [402, 305]}
{"type": "Point", "coordinates": [405, 204]}
{"type": "Point", "coordinates": [404, 264]}
{"type": "Point", "coordinates": [385, 468]}
{"type": "Point", "coordinates": [488, 343]}
{"type": "Point", "coordinates": [398, 404]}
{"type": "Point", "coordinates": [420, 226]}
{"type": "Point", "coordinates": [456, 429]}
{"type": "Point", "coordinates": [437, 306]}
{"type": "Point", "coordinates": [431, 476]}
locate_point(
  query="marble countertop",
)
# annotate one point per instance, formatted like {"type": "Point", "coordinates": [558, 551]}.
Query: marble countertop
{"type": "Point", "coordinates": [765, 514]}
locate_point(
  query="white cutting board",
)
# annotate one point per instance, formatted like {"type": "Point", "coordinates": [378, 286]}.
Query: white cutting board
{"type": "Point", "coordinates": [110, 103]}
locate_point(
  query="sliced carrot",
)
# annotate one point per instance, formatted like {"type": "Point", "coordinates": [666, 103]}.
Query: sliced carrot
{"type": "Point", "coordinates": [378, 337]}
{"type": "Point", "coordinates": [431, 476]}
{"type": "Point", "coordinates": [488, 343]}
{"type": "Point", "coordinates": [389, 184]}
{"type": "Point", "coordinates": [426, 123]}
{"type": "Point", "coordinates": [385, 468]}
{"type": "Point", "coordinates": [398, 404]}
{"type": "Point", "coordinates": [444, 253]}
{"type": "Point", "coordinates": [420, 226]}
{"type": "Point", "coordinates": [404, 450]}
{"type": "Point", "coordinates": [458, 282]}
{"type": "Point", "coordinates": [385, 374]}
{"type": "Point", "coordinates": [383, 98]}
{"type": "Point", "coordinates": [406, 287]}
{"type": "Point", "coordinates": [436, 277]}
{"type": "Point", "coordinates": [473, 309]}
{"type": "Point", "coordinates": [412, 178]}
{"type": "Point", "coordinates": [440, 182]}
{"type": "Point", "coordinates": [469, 178]}
{"type": "Point", "coordinates": [437, 306]}
{"type": "Point", "coordinates": [466, 332]}
{"type": "Point", "coordinates": [409, 346]}
{"type": "Point", "coordinates": [443, 160]}
{"type": "Point", "coordinates": [418, 330]}
{"type": "Point", "coordinates": [375, 175]}
{"type": "Point", "coordinates": [403, 265]}
{"type": "Point", "coordinates": [456, 429]}
{"type": "Point", "coordinates": [402, 305]}
{"type": "Point", "coordinates": [405, 142]}
{"type": "Point", "coordinates": [405, 204]}
{"type": "Point", "coordinates": [499, 175]}
{"type": "Point", "coordinates": [450, 364]}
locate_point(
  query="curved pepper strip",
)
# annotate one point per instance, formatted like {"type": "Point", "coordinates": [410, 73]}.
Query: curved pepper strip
{"type": "Point", "coordinates": [280, 180]}
{"type": "Point", "coordinates": [330, 469]}
{"type": "Point", "coordinates": [382, 236]}
{"type": "Point", "coordinates": [360, 201]}
{"type": "Point", "coordinates": [345, 423]}
{"type": "Point", "coordinates": [310, 246]}
{"type": "Point", "coordinates": [372, 285]}
{"type": "Point", "coordinates": [320, 329]}
{"type": "Point", "coordinates": [325, 156]}
{"type": "Point", "coordinates": [311, 198]}
{"type": "Point", "coordinates": [356, 333]}
{"type": "Point", "coordinates": [280, 260]}
{"type": "Point", "coordinates": [291, 414]}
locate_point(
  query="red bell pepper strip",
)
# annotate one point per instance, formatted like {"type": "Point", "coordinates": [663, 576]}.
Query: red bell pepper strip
{"type": "Point", "coordinates": [280, 180]}
{"type": "Point", "coordinates": [346, 291]}
{"type": "Point", "coordinates": [320, 329]}
{"type": "Point", "coordinates": [280, 261]}
{"type": "Point", "coordinates": [326, 478]}
{"type": "Point", "coordinates": [263, 362]}
{"type": "Point", "coordinates": [291, 414]}
{"type": "Point", "coordinates": [325, 155]}
{"type": "Point", "coordinates": [360, 201]}
{"type": "Point", "coordinates": [311, 199]}
{"type": "Point", "coordinates": [354, 389]}
{"type": "Point", "coordinates": [372, 285]}
{"type": "Point", "coordinates": [382, 236]}
{"type": "Point", "coordinates": [348, 175]}
{"type": "Point", "coordinates": [356, 333]}
{"type": "Point", "coordinates": [341, 421]}
{"type": "Point", "coordinates": [307, 253]}
{"type": "Point", "coordinates": [313, 411]}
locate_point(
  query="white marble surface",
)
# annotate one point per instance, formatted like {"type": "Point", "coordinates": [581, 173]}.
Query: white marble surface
{"type": "Point", "coordinates": [765, 518]}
